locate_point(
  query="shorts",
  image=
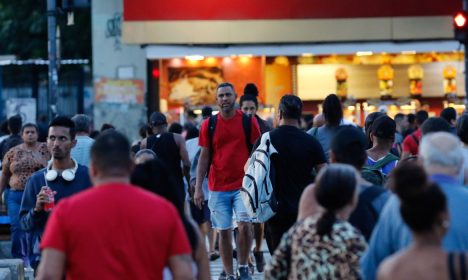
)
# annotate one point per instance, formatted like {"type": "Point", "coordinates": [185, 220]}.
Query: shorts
{"type": "Point", "coordinates": [200, 216]}
{"type": "Point", "coordinates": [222, 205]}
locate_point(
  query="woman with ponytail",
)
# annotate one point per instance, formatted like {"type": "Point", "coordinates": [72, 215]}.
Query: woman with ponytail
{"type": "Point", "coordinates": [249, 105]}
{"type": "Point", "coordinates": [324, 246]}
{"type": "Point", "coordinates": [424, 209]}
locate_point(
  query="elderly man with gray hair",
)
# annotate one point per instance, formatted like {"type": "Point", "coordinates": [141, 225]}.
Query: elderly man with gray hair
{"type": "Point", "coordinates": [442, 157]}
{"type": "Point", "coordinates": [81, 152]}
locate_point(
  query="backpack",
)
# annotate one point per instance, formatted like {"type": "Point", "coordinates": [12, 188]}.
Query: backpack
{"type": "Point", "coordinates": [257, 187]}
{"type": "Point", "coordinates": [373, 173]}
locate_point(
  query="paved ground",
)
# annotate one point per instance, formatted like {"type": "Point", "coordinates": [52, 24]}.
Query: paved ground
{"type": "Point", "coordinates": [217, 266]}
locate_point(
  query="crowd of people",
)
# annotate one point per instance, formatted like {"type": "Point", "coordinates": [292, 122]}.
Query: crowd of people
{"type": "Point", "coordinates": [383, 201]}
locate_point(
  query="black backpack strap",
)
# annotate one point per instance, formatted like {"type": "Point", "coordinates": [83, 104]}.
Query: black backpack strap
{"type": "Point", "coordinates": [247, 125]}
{"type": "Point", "coordinates": [415, 138]}
{"type": "Point", "coordinates": [462, 265]}
{"type": "Point", "coordinates": [451, 266]}
{"type": "Point", "coordinates": [386, 160]}
{"type": "Point", "coordinates": [211, 131]}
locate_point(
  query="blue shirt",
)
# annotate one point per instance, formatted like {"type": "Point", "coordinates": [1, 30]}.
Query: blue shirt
{"type": "Point", "coordinates": [391, 234]}
{"type": "Point", "coordinates": [34, 222]}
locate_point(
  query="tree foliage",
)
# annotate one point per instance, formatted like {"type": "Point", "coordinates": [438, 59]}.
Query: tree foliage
{"type": "Point", "coordinates": [23, 30]}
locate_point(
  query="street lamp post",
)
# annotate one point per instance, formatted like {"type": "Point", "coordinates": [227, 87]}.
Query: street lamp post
{"type": "Point", "coordinates": [52, 54]}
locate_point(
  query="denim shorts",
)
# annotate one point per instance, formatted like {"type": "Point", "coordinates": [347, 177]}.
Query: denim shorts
{"type": "Point", "coordinates": [222, 205]}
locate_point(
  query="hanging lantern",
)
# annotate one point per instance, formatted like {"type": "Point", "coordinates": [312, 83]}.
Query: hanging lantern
{"type": "Point", "coordinates": [415, 74]}
{"type": "Point", "coordinates": [450, 82]}
{"type": "Point", "coordinates": [385, 75]}
{"type": "Point", "coordinates": [341, 76]}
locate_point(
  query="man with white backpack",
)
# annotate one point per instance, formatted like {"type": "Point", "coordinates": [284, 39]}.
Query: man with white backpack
{"type": "Point", "coordinates": [292, 167]}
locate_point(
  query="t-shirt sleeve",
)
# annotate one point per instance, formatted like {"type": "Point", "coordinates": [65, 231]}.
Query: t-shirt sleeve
{"type": "Point", "coordinates": [179, 240]}
{"type": "Point", "coordinates": [407, 144]}
{"type": "Point", "coordinates": [203, 140]}
{"type": "Point", "coordinates": [255, 134]}
{"type": "Point", "coordinates": [54, 234]}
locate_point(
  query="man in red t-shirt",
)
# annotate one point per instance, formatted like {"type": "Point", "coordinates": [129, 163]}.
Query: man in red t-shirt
{"type": "Point", "coordinates": [114, 230]}
{"type": "Point", "coordinates": [411, 142]}
{"type": "Point", "coordinates": [228, 153]}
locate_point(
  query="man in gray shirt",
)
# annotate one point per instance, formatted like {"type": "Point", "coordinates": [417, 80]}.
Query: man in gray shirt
{"type": "Point", "coordinates": [83, 142]}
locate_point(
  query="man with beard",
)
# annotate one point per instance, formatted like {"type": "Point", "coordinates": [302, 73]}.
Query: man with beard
{"type": "Point", "coordinates": [62, 178]}
{"type": "Point", "coordinates": [225, 146]}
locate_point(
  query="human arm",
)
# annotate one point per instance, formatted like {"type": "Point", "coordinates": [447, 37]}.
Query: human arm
{"type": "Point", "coordinates": [6, 172]}
{"type": "Point", "coordinates": [143, 143]}
{"type": "Point", "coordinates": [181, 267]}
{"type": "Point", "coordinates": [183, 155]}
{"type": "Point", "coordinates": [201, 257]}
{"type": "Point", "coordinates": [32, 214]}
{"type": "Point", "coordinates": [203, 164]}
{"type": "Point", "coordinates": [52, 265]}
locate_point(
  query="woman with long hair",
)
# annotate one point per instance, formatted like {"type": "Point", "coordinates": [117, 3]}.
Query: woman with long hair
{"type": "Point", "coordinates": [325, 246]}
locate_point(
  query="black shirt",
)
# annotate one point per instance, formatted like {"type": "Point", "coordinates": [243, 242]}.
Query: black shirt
{"type": "Point", "coordinates": [298, 154]}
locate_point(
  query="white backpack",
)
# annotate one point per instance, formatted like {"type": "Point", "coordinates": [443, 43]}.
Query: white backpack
{"type": "Point", "coordinates": [257, 189]}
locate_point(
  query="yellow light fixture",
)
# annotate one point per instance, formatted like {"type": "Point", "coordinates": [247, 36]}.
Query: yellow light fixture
{"type": "Point", "coordinates": [364, 53]}
{"type": "Point", "coordinates": [194, 57]}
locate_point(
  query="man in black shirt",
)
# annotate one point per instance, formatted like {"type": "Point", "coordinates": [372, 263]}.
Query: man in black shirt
{"type": "Point", "coordinates": [298, 155]}
{"type": "Point", "coordinates": [14, 126]}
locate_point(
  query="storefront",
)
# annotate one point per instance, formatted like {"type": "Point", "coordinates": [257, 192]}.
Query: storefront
{"type": "Point", "coordinates": [393, 56]}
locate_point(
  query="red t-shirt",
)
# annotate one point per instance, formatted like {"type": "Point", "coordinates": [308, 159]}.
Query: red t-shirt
{"type": "Point", "coordinates": [230, 151]}
{"type": "Point", "coordinates": [410, 145]}
{"type": "Point", "coordinates": [115, 231]}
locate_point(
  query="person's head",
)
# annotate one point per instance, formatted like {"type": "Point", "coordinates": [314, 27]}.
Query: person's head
{"type": "Point", "coordinates": [248, 101]}
{"type": "Point", "coordinates": [462, 128]}
{"type": "Point", "coordinates": [441, 153]}
{"type": "Point", "coordinates": [107, 126]}
{"type": "Point", "coordinates": [423, 205]}
{"type": "Point", "coordinates": [30, 133]}
{"type": "Point", "coordinates": [368, 123]}
{"type": "Point", "coordinates": [158, 122]}
{"type": "Point", "coordinates": [349, 146]}
{"type": "Point", "coordinates": [383, 131]}
{"type": "Point", "coordinates": [82, 123]}
{"type": "Point", "coordinates": [332, 110]}
{"type": "Point", "coordinates": [335, 191]}
{"type": "Point", "coordinates": [318, 121]}
{"type": "Point", "coordinates": [192, 132]}
{"type": "Point", "coordinates": [14, 124]}
{"type": "Point", "coordinates": [401, 121]}
{"type": "Point", "coordinates": [176, 128]}
{"type": "Point", "coordinates": [411, 120]}
{"type": "Point", "coordinates": [143, 131]}
{"type": "Point", "coordinates": [290, 108]}
{"type": "Point", "coordinates": [450, 115]}
{"type": "Point", "coordinates": [206, 112]}
{"type": "Point", "coordinates": [435, 124]}
{"type": "Point", "coordinates": [94, 134]}
{"type": "Point", "coordinates": [61, 137]}
{"type": "Point", "coordinates": [110, 157]}
{"type": "Point", "coordinates": [144, 155]}
{"type": "Point", "coordinates": [4, 128]}
{"type": "Point", "coordinates": [226, 98]}
{"type": "Point", "coordinates": [421, 117]}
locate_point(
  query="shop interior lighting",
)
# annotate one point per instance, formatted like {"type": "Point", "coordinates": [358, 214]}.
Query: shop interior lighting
{"type": "Point", "coordinates": [364, 53]}
{"type": "Point", "coordinates": [195, 57]}
{"type": "Point", "coordinates": [197, 112]}
{"type": "Point", "coordinates": [408, 52]}
{"type": "Point", "coordinates": [307, 55]}
{"type": "Point", "coordinates": [246, 55]}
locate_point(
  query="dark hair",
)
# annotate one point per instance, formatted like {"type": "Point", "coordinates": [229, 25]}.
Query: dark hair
{"type": "Point", "coordinates": [207, 111]}
{"type": "Point", "coordinates": [349, 146]}
{"type": "Point", "coordinates": [335, 186]}
{"type": "Point", "coordinates": [421, 201]}
{"type": "Point", "coordinates": [192, 132]}
{"type": "Point", "coordinates": [143, 130]}
{"type": "Point", "coordinates": [252, 98]}
{"type": "Point", "coordinates": [462, 128]}
{"type": "Point", "coordinates": [384, 127]}
{"type": "Point", "coordinates": [421, 117]}
{"type": "Point", "coordinates": [111, 152]}
{"type": "Point", "coordinates": [64, 122]}
{"type": "Point", "coordinates": [94, 134]}
{"type": "Point", "coordinates": [332, 110]}
{"type": "Point", "coordinates": [291, 107]}
{"type": "Point", "coordinates": [449, 114]}
{"type": "Point", "coordinates": [411, 118]}
{"type": "Point", "coordinates": [225, 84]}
{"type": "Point", "coordinates": [106, 126]}
{"type": "Point", "coordinates": [14, 124]}
{"type": "Point", "coordinates": [82, 123]}
{"type": "Point", "coordinates": [154, 176]}
{"type": "Point", "coordinates": [175, 127]}
{"type": "Point", "coordinates": [435, 124]}
{"type": "Point", "coordinates": [30, 125]}
{"type": "Point", "coordinates": [4, 128]}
